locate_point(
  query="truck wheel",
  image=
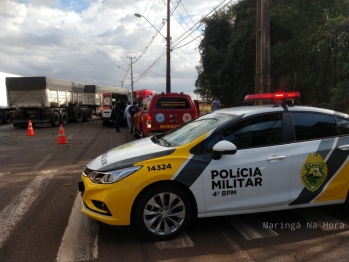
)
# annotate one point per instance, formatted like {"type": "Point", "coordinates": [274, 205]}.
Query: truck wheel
{"type": "Point", "coordinates": [56, 119]}
{"type": "Point", "coordinates": [162, 212]}
{"type": "Point", "coordinates": [64, 118]}
{"type": "Point", "coordinates": [7, 117]}
{"type": "Point", "coordinates": [1, 118]}
{"type": "Point", "coordinates": [88, 115]}
{"type": "Point", "coordinates": [78, 116]}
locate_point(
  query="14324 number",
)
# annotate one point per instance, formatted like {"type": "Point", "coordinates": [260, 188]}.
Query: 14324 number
{"type": "Point", "coordinates": [159, 167]}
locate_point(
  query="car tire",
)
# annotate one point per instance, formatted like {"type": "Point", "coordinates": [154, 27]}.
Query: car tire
{"type": "Point", "coordinates": [162, 212]}
{"type": "Point", "coordinates": [1, 118]}
{"type": "Point", "coordinates": [56, 119]}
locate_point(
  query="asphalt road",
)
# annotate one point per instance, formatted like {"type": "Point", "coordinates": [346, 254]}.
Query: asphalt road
{"type": "Point", "coordinates": [40, 217]}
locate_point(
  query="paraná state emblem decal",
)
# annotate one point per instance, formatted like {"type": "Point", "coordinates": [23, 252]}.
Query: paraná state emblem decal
{"type": "Point", "coordinates": [314, 172]}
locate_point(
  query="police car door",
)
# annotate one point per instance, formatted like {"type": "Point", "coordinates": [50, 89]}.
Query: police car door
{"type": "Point", "coordinates": [319, 159]}
{"type": "Point", "coordinates": [257, 175]}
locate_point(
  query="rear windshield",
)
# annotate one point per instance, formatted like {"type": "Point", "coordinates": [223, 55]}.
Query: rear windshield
{"type": "Point", "coordinates": [172, 103]}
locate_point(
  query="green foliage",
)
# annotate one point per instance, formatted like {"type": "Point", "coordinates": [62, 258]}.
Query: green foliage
{"type": "Point", "coordinates": [227, 54]}
{"type": "Point", "coordinates": [309, 52]}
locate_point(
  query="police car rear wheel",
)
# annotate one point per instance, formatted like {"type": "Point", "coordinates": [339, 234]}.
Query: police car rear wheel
{"type": "Point", "coordinates": [162, 212]}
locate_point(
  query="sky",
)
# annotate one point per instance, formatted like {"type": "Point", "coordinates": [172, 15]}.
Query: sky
{"type": "Point", "coordinates": [94, 41]}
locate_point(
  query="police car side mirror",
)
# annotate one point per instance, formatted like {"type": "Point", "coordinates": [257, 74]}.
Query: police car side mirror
{"type": "Point", "coordinates": [223, 147]}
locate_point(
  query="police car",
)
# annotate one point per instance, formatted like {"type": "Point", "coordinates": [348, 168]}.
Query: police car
{"type": "Point", "coordinates": [232, 161]}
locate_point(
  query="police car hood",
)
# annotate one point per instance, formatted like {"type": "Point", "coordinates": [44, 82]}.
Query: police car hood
{"type": "Point", "coordinates": [128, 154]}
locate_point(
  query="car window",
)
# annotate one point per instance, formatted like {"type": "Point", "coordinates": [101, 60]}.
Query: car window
{"type": "Point", "coordinates": [262, 130]}
{"type": "Point", "coordinates": [172, 103]}
{"type": "Point", "coordinates": [308, 126]}
{"type": "Point", "coordinates": [343, 126]}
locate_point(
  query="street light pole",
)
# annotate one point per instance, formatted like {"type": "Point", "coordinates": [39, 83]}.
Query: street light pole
{"type": "Point", "coordinates": [168, 47]}
{"type": "Point", "coordinates": [168, 50]}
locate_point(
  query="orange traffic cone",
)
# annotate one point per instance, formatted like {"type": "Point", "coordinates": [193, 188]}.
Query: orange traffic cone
{"type": "Point", "coordinates": [30, 131]}
{"type": "Point", "coordinates": [61, 136]}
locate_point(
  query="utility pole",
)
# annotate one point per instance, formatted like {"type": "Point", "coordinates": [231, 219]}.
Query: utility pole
{"type": "Point", "coordinates": [131, 80]}
{"type": "Point", "coordinates": [122, 83]}
{"type": "Point", "coordinates": [262, 78]}
{"type": "Point", "coordinates": [168, 50]}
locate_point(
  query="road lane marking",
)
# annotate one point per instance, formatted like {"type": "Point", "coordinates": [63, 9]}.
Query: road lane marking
{"type": "Point", "coordinates": [182, 241]}
{"type": "Point", "coordinates": [14, 212]}
{"type": "Point", "coordinates": [318, 219]}
{"type": "Point", "coordinates": [42, 162]}
{"type": "Point", "coordinates": [80, 239]}
{"type": "Point", "coordinates": [252, 228]}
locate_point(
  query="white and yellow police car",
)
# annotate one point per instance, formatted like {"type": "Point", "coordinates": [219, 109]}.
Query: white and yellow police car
{"type": "Point", "coordinates": [232, 161]}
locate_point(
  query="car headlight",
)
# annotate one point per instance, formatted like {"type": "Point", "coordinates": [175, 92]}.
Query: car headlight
{"type": "Point", "coordinates": [112, 176]}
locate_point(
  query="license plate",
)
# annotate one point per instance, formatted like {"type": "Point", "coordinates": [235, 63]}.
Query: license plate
{"type": "Point", "coordinates": [32, 115]}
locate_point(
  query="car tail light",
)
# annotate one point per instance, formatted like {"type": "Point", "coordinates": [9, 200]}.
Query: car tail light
{"type": "Point", "coordinates": [148, 122]}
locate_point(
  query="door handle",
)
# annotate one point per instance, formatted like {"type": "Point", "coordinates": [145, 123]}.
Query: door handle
{"type": "Point", "coordinates": [173, 121]}
{"type": "Point", "coordinates": [173, 116]}
{"type": "Point", "coordinates": [344, 147]}
{"type": "Point", "coordinates": [275, 158]}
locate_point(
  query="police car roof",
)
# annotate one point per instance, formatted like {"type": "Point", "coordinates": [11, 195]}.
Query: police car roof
{"type": "Point", "coordinates": [252, 110]}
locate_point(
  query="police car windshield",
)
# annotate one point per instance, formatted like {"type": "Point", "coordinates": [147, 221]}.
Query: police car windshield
{"type": "Point", "coordinates": [196, 128]}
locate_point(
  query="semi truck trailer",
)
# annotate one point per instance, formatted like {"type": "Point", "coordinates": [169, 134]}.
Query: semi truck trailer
{"type": "Point", "coordinates": [49, 102]}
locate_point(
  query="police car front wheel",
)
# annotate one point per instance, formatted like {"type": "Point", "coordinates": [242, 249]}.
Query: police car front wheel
{"type": "Point", "coordinates": [162, 212]}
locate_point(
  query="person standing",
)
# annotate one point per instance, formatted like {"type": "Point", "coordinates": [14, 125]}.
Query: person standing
{"type": "Point", "coordinates": [130, 111]}
{"type": "Point", "coordinates": [116, 112]}
{"type": "Point", "coordinates": [129, 117]}
{"type": "Point", "coordinates": [216, 104]}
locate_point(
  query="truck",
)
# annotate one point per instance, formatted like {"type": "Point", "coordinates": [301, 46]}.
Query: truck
{"type": "Point", "coordinates": [109, 99]}
{"type": "Point", "coordinates": [5, 110]}
{"type": "Point", "coordinates": [49, 102]}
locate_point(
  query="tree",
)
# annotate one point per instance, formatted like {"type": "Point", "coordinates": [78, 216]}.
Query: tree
{"type": "Point", "coordinates": [309, 51]}
{"type": "Point", "coordinates": [227, 54]}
